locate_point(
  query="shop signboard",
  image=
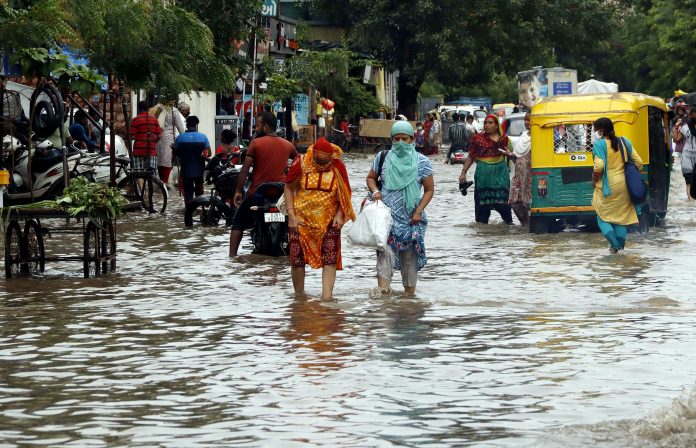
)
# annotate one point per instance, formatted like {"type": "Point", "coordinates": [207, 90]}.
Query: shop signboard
{"type": "Point", "coordinates": [270, 8]}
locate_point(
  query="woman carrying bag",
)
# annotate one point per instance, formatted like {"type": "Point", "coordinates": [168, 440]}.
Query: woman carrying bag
{"type": "Point", "coordinates": [611, 199]}
{"type": "Point", "coordinates": [403, 172]}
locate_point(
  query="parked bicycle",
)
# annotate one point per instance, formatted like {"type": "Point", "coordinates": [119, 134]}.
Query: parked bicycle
{"type": "Point", "coordinates": [142, 186]}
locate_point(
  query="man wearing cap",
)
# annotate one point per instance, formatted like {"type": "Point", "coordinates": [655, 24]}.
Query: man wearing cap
{"type": "Point", "coordinates": [192, 148]}
{"type": "Point", "coordinates": [268, 155]}
{"type": "Point", "coordinates": [318, 198]}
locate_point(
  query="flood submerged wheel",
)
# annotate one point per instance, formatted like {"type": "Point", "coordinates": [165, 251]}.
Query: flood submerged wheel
{"type": "Point", "coordinates": [34, 254]}
{"type": "Point", "coordinates": [200, 211]}
{"type": "Point", "coordinates": [13, 250]}
{"type": "Point", "coordinates": [91, 251]}
{"type": "Point", "coordinates": [108, 248]}
{"type": "Point", "coordinates": [130, 188]}
{"type": "Point", "coordinates": [155, 195]}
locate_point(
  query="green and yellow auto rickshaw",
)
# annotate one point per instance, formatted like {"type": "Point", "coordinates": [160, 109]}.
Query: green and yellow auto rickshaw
{"type": "Point", "coordinates": [562, 139]}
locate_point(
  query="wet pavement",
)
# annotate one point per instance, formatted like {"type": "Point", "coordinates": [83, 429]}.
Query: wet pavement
{"type": "Point", "coordinates": [512, 340]}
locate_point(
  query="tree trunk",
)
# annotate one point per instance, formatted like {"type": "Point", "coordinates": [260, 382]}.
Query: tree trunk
{"type": "Point", "coordinates": [408, 96]}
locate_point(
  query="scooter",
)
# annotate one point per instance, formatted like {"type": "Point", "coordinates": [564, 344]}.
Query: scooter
{"type": "Point", "coordinates": [99, 165]}
{"type": "Point", "coordinates": [47, 171]}
{"type": "Point", "coordinates": [270, 232]}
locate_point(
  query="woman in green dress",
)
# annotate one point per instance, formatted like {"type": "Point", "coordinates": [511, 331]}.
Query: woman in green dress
{"type": "Point", "coordinates": [490, 150]}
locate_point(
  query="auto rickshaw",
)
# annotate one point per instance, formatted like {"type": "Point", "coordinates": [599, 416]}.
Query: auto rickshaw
{"type": "Point", "coordinates": [562, 138]}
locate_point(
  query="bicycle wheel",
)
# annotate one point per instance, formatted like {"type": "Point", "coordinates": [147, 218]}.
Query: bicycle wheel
{"type": "Point", "coordinates": [201, 212]}
{"type": "Point", "coordinates": [130, 188]}
{"type": "Point", "coordinates": [108, 248]}
{"type": "Point", "coordinates": [13, 250]}
{"type": "Point", "coordinates": [155, 195]}
{"type": "Point", "coordinates": [90, 255]}
{"type": "Point", "coordinates": [34, 254]}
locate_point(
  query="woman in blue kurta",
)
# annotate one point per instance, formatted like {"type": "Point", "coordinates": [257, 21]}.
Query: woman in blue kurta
{"type": "Point", "coordinates": [404, 172]}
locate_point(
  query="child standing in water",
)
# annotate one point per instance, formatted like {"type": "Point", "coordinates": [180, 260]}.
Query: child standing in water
{"type": "Point", "coordinates": [419, 138]}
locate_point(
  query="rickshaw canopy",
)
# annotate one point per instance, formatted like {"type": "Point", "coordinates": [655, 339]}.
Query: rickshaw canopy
{"type": "Point", "coordinates": [622, 107]}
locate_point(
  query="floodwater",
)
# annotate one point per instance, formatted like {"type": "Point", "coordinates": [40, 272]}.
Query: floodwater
{"type": "Point", "coordinates": [511, 340]}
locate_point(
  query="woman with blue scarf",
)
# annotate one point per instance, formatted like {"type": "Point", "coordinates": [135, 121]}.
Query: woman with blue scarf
{"type": "Point", "coordinates": [403, 173]}
{"type": "Point", "coordinates": [611, 201]}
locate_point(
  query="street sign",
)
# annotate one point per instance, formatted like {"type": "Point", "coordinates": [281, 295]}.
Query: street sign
{"type": "Point", "coordinates": [270, 8]}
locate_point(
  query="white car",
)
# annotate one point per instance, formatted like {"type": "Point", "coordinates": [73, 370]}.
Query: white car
{"type": "Point", "coordinates": [515, 126]}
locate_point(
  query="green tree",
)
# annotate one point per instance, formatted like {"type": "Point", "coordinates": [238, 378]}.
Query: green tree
{"type": "Point", "coordinates": [161, 48]}
{"type": "Point", "coordinates": [460, 43]}
{"type": "Point", "coordinates": [655, 48]}
{"type": "Point", "coordinates": [230, 21]}
{"type": "Point", "coordinates": [329, 72]}
{"type": "Point", "coordinates": [151, 45]}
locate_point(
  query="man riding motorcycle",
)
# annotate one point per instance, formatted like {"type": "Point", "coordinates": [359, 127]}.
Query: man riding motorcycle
{"type": "Point", "coordinates": [268, 154]}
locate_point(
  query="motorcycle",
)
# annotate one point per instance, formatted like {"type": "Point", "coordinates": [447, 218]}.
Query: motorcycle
{"type": "Point", "coordinates": [457, 156]}
{"type": "Point", "coordinates": [270, 232]}
{"type": "Point", "coordinates": [47, 177]}
{"type": "Point", "coordinates": [209, 210]}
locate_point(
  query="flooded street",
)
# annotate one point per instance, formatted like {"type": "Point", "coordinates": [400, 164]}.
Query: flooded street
{"type": "Point", "coordinates": [512, 340]}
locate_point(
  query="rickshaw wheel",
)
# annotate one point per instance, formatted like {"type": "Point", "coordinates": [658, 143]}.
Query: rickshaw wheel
{"type": "Point", "coordinates": [108, 248]}
{"type": "Point", "coordinates": [91, 251]}
{"type": "Point", "coordinates": [13, 250]}
{"type": "Point", "coordinates": [34, 254]}
{"type": "Point", "coordinates": [538, 225]}
{"type": "Point", "coordinates": [646, 220]}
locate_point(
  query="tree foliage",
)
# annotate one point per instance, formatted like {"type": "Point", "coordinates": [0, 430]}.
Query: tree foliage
{"type": "Point", "coordinates": [230, 21]}
{"type": "Point", "coordinates": [159, 47]}
{"type": "Point", "coordinates": [164, 49]}
{"type": "Point", "coordinates": [329, 73]}
{"type": "Point", "coordinates": [462, 43]}
{"type": "Point", "coordinates": [655, 48]}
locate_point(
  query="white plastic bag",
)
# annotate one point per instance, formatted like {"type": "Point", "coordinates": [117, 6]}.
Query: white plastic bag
{"type": "Point", "coordinates": [372, 226]}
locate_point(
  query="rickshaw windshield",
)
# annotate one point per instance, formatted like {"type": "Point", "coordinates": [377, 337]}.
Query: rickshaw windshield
{"type": "Point", "coordinates": [573, 138]}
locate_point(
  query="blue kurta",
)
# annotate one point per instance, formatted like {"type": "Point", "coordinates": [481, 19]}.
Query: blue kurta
{"type": "Point", "coordinates": [404, 235]}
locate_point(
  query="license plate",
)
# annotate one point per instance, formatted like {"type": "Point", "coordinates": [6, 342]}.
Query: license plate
{"type": "Point", "coordinates": [274, 217]}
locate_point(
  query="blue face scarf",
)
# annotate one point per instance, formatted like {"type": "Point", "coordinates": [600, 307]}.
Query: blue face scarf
{"type": "Point", "coordinates": [402, 173]}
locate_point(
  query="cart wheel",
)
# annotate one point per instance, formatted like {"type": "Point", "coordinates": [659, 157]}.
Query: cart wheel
{"type": "Point", "coordinates": [34, 254]}
{"type": "Point", "coordinates": [108, 248]}
{"type": "Point", "coordinates": [13, 250]}
{"type": "Point", "coordinates": [538, 225]}
{"type": "Point", "coordinates": [91, 251]}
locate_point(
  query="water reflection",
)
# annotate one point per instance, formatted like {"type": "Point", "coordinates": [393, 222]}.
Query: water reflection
{"type": "Point", "coordinates": [512, 339]}
{"type": "Point", "coordinates": [318, 325]}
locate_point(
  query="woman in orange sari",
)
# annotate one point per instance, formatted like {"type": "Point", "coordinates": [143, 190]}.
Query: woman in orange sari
{"type": "Point", "coordinates": [317, 194]}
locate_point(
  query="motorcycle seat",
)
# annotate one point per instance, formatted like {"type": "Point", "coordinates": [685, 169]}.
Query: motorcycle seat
{"type": "Point", "coordinates": [42, 163]}
{"type": "Point", "coordinates": [270, 190]}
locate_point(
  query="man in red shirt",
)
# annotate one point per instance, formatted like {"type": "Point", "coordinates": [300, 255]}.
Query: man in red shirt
{"type": "Point", "coordinates": [268, 154]}
{"type": "Point", "coordinates": [146, 132]}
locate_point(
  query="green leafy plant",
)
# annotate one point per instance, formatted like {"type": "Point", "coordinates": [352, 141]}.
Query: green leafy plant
{"type": "Point", "coordinates": [99, 202]}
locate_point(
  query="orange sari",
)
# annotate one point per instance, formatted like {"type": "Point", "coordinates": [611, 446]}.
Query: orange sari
{"type": "Point", "coordinates": [317, 199]}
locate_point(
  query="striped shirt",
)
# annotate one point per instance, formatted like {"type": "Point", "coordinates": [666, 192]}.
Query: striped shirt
{"type": "Point", "coordinates": [146, 131]}
{"type": "Point", "coordinates": [458, 135]}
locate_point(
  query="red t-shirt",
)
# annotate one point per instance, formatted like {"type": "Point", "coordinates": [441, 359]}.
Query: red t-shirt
{"type": "Point", "coordinates": [270, 156]}
{"type": "Point", "coordinates": [146, 132]}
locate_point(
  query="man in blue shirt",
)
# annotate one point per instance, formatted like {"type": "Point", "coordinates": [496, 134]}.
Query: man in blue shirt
{"type": "Point", "coordinates": [79, 131]}
{"type": "Point", "coordinates": [192, 148]}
